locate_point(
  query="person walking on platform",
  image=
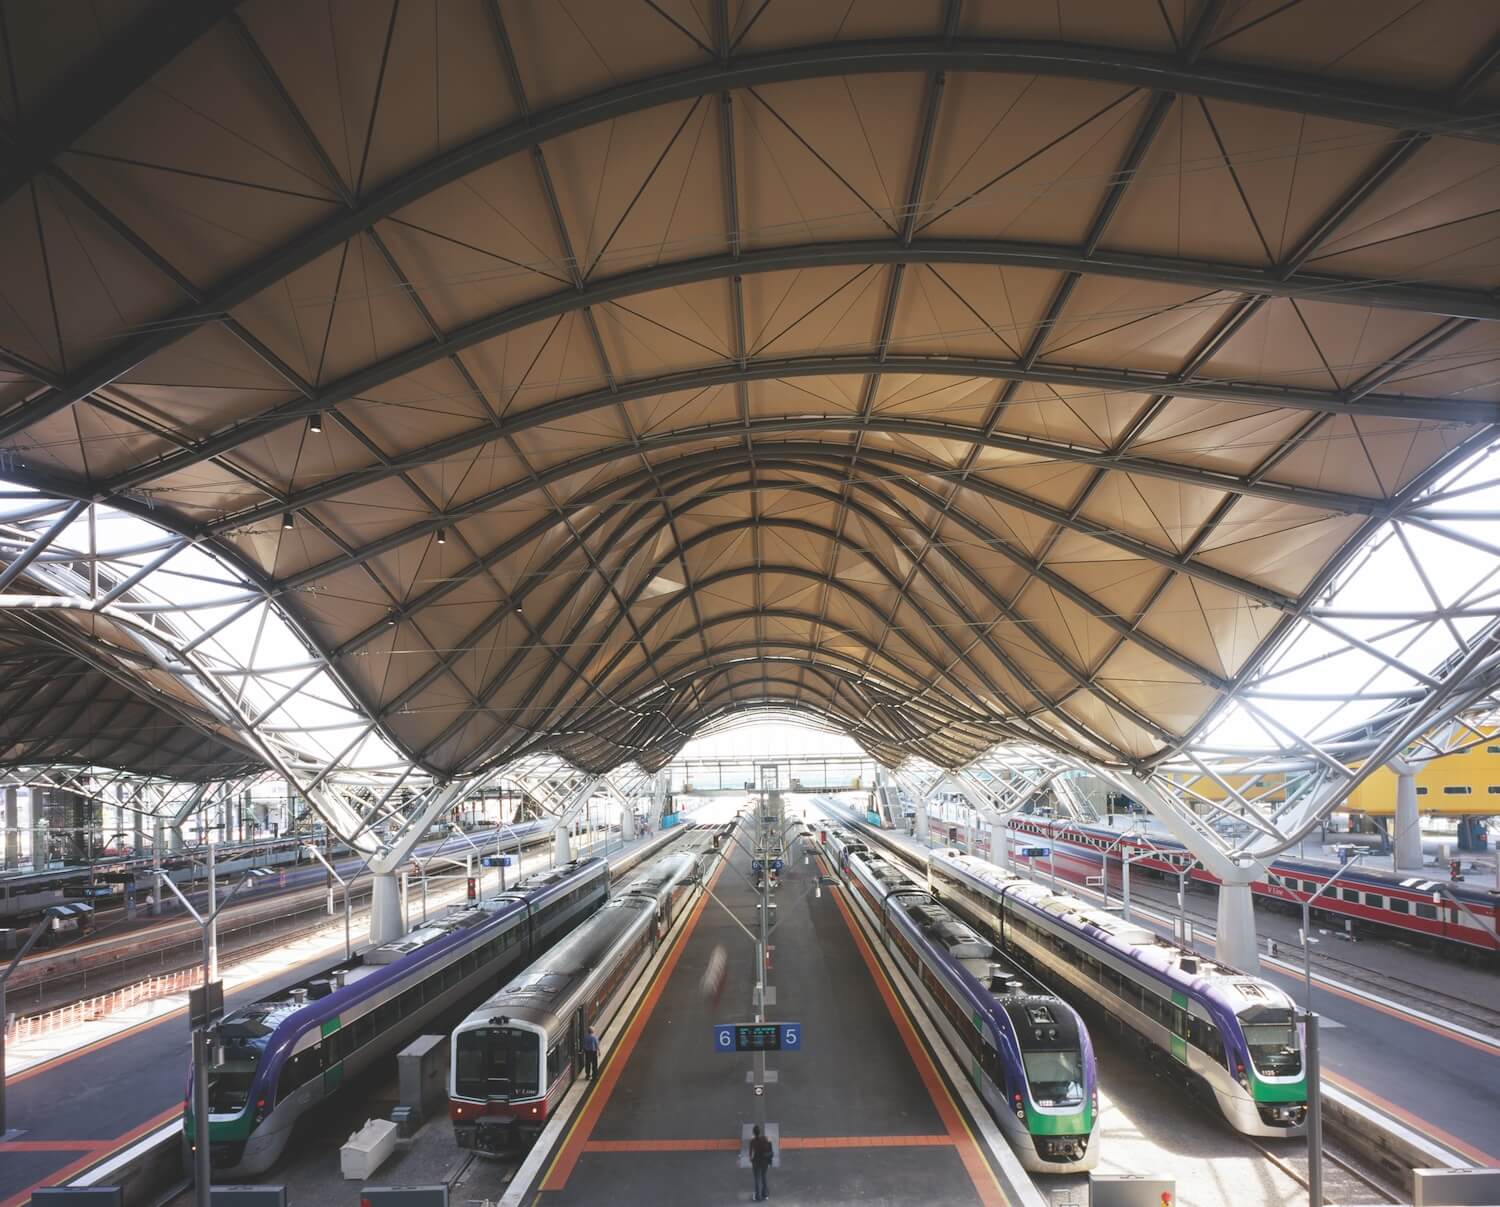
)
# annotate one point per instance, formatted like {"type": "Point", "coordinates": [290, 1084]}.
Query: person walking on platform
{"type": "Point", "coordinates": [761, 1155]}
{"type": "Point", "coordinates": [591, 1054]}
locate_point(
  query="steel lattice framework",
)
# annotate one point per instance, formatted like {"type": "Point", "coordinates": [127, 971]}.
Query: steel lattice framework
{"type": "Point", "coordinates": [558, 381]}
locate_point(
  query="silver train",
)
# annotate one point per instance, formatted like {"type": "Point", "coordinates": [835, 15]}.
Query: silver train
{"type": "Point", "coordinates": [515, 1057]}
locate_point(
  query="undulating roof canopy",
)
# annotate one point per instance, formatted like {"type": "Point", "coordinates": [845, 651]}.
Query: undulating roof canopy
{"type": "Point", "coordinates": [579, 372]}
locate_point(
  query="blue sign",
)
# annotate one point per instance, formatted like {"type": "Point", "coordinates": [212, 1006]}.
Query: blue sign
{"type": "Point", "coordinates": [756, 864]}
{"type": "Point", "coordinates": [757, 1037]}
{"type": "Point", "coordinates": [1034, 852]}
{"type": "Point", "coordinates": [493, 861]}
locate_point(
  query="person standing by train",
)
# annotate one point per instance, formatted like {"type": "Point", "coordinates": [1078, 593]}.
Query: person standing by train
{"type": "Point", "coordinates": [761, 1155]}
{"type": "Point", "coordinates": [591, 1054]}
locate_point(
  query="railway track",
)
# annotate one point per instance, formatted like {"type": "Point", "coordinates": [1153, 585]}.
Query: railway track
{"type": "Point", "coordinates": [1343, 1167]}
{"type": "Point", "coordinates": [60, 977]}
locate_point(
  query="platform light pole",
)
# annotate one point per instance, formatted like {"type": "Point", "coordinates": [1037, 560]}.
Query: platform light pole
{"type": "Point", "coordinates": [1307, 939]}
{"type": "Point", "coordinates": [201, 1017]}
{"type": "Point", "coordinates": [1311, 1062]}
{"type": "Point", "coordinates": [345, 885]}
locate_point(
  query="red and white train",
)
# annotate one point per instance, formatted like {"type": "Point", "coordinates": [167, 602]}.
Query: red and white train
{"type": "Point", "coordinates": [1455, 916]}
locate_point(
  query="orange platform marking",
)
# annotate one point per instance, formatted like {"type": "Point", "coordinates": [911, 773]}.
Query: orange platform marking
{"type": "Point", "coordinates": [52, 1146]}
{"type": "Point", "coordinates": [978, 1169]}
{"type": "Point", "coordinates": [615, 1061]}
{"type": "Point", "coordinates": [97, 1151]}
{"type": "Point", "coordinates": [661, 1146]}
{"type": "Point", "coordinates": [943, 1141]}
{"type": "Point", "coordinates": [787, 1142]}
{"type": "Point", "coordinates": [1422, 1126]}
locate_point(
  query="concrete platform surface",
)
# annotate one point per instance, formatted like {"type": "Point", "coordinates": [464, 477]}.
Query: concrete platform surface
{"type": "Point", "coordinates": [862, 1116]}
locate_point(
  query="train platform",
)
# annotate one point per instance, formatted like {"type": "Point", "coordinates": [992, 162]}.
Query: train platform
{"type": "Point", "coordinates": [859, 1115]}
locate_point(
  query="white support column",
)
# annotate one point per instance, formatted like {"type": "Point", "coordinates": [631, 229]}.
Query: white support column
{"type": "Point", "coordinates": [1407, 822]}
{"type": "Point", "coordinates": [575, 802]}
{"type": "Point", "coordinates": [39, 852]}
{"type": "Point", "coordinates": [923, 827]}
{"type": "Point", "coordinates": [386, 920]}
{"type": "Point", "coordinates": [1235, 942]}
{"type": "Point", "coordinates": [627, 820]}
{"type": "Point", "coordinates": [562, 845]}
{"type": "Point", "coordinates": [12, 827]}
{"type": "Point", "coordinates": [660, 792]}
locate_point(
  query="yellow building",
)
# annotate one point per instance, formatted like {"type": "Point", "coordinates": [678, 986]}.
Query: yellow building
{"type": "Point", "coordinates": [1456, 784]}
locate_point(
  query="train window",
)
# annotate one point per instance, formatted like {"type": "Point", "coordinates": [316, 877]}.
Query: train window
{"type": "Point", "coordinates": [364, 1029]}
{"type": "Point", "coordinates": [1494, 789]}
{"type": "Point", "coordinates": [1400, 905]}
{"type": "Point", "coordinates": [1421, 790]}
{"type": "Point", "coordinates": [497, 1062]}
{"type": "Point", "coordinates": [1375, 899]}
{"type": "Point", "coordinates": [1457, 790]}
{"type": "Point", "coordinates": [1424, 910]}
{"type": "Point", "coordinates": [1110, 979]}
{"type": "Point", "coordinates": [1273, 879]}
{"type": "Point", "coordinates": [1350, 894]}
{"type": "Point", "coordinates": [299, 1070]}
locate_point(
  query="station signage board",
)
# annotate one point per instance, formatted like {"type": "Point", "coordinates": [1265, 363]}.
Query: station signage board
{"type": "Point", "coordinates": [757, 1037]}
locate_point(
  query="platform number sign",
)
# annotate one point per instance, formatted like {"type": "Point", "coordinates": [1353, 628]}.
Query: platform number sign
{"type": "Point", "coordinates": [758, 1037]}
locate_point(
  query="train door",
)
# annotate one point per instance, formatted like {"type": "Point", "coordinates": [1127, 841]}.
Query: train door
{"type": "Point", "coordinates": [337, 1042]}
{"type": "Point", "coordinates": [575, 1041]}
{"type": "Point", "coordinates": [1177, 1023]}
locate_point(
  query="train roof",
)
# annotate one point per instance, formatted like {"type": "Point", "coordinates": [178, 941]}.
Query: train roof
{"type": "Point", "coordinates": [1187, 970]}
{"type": "Point", "coordinates": [1309, 865]}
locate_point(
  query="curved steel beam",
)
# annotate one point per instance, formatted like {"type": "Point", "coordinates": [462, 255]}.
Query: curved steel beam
{"type": "Point", "coordinates": [1081, 681]}
{"type": "Point", "coordinates": [1404, 110]}
{"type": "Point", "coordinates": [709, 378]}
{"type": "Point", "coordinates": [1077, 377]}
{"type": "Point", "coordinates": [901, 462]}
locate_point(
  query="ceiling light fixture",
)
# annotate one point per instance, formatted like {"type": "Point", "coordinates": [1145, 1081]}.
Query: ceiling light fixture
{"type": "Point", "coordinates": [442, 536]}
{"type": "Point", "coordinates": [286, 519]}
{"type": "Point", "coordinates": [315, 424]}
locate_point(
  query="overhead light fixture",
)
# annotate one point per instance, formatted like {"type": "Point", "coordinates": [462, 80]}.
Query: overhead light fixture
{"type": "Point", "coordinates": [442, 536]}
{"type": "Point", "coordinates": [315, 423]}
{"type": "Point", "coordinates": [286, 519]}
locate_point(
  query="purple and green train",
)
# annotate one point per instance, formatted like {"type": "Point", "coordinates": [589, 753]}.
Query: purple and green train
{"type": "Point", "coordinates": [277, 1058]}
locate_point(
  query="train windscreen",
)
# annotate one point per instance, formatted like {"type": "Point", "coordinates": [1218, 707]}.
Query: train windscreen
{"type": "Point", "coordinates": [498, 1062]}
{"type": "Point", "coordinates": [1056, 1078]}
{"type": "Point", "coordinates": [238, 1042]}
{"type": "Point", "coordinates": [1271, 1036]}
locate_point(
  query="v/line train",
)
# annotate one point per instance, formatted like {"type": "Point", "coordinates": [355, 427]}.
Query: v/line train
{"type": "Point", "coordinates": [515, 1057]}
{"type": "Point", "coordinates": [1459, 918]}
{"type": "Point", "coordinates": [1026, 1050]}
{"type": "Point", "coordinates": [277, 1058]}
{"type": "Point", "coordinates": [1232, 1036]}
